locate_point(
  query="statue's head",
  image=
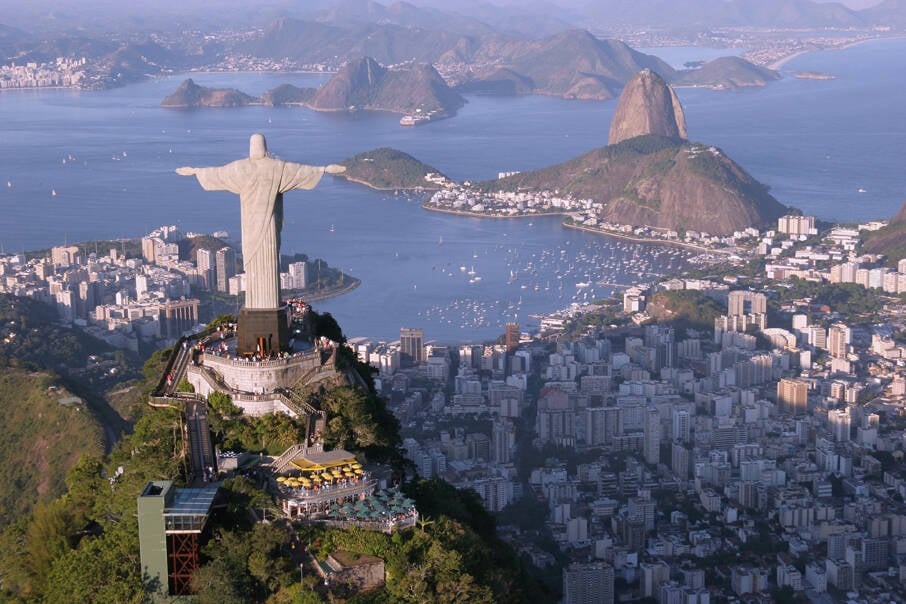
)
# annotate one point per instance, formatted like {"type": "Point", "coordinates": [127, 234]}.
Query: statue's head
{"type": "Point", "coordinates": [257, 147]}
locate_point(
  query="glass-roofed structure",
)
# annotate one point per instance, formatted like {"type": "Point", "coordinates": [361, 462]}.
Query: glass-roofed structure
{"type": "Point", "coordinates": [170, 523]}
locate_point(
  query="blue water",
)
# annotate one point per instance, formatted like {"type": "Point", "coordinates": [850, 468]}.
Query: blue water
{"type": "Point", "coordinates": [678, 56]}
{"type": "Point", "coordinates": [814, 142]}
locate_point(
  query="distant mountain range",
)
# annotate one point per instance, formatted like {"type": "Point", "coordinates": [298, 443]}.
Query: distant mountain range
{"type": "Point", "coordinates": [469, 17]}
{"type": "Point", "coordinates": [571, 64]}
{"type": "Point", "coordinates": [706, 14]}
{"type": "Point", "coordinates": [512, 50]}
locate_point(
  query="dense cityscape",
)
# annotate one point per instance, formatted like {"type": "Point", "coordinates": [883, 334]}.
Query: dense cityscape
{"type": "Point", "coordinates": [714, 414]}
{"type": "Point", "coordinates": [646, 447]}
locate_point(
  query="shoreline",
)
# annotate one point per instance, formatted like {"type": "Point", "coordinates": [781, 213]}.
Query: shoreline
{"type": "Point", "coordinates": [381, 189]}
{"type": "Point", "coordinates": [644, 240]}
{"type": "Point", "coordinates": [563, 223]}
{"type": "Point", "coordinates": [334, 293]}
{"type": "Point", "coordinates": [480, 215]}
{"type": "Point", "coordinates": [776, 65]}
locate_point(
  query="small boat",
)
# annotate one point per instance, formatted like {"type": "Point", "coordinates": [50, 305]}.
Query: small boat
{"type": "Point", "coordinates": [861, 190]}
{"type": "Point", "coordinates": [331, 229]}
{"type": "Point", "coordinates": [53, 192]}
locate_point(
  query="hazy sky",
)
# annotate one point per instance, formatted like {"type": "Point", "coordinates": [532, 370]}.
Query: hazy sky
{"type": "Point", "coordinates": [37, 15]}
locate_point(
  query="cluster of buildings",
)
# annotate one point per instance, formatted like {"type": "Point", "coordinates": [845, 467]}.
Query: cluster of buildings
{"type": "Point", "coordinates": [63, 72]}
{"type": "Point", "coordinates": [128, 300]}
{"type": "Point", "coordinates": [834, 258]}
{"type": "Point", "coordinates": [118, 299]}
{"type": "Point", "coordinates": [682, 464]}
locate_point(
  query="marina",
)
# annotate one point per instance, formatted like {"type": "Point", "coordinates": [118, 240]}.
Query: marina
{"type": "Point", "coordinates": [570, 274]}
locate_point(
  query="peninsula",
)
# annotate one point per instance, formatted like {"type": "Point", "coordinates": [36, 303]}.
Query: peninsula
{"type": "Point", "coordinates": [648, 183]}
{"type": "Point", "coordinates": [388, 169]}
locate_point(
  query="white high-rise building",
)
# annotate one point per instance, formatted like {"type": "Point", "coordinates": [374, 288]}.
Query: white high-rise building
{"type": "Point", "coordinates": [840, 423]}
{"type": "Point", "coordinates": [682, 424]}
{"type": "Point", "coordinates": [839, 337]}
{"type": "Point", "coordinates": [298, 275]}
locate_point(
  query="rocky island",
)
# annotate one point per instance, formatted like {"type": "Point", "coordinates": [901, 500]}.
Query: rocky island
{"type": "Point", "coordinates": [725, 73]}
{"type": "Point", "coordinates": [418, 92]}
{"type": "Point", "coordinates": [190, 95]}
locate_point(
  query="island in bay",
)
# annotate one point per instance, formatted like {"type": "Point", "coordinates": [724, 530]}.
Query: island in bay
{"type": "Point", "coordinates": [417, 92]}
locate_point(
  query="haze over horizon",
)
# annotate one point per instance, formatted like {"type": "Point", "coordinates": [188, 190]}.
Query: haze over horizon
{"type": "Point", "coordinates": [56, 15]}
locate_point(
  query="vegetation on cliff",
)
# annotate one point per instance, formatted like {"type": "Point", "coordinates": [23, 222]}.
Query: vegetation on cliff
{"type": "Point", "coordinates": [890, 240]}
{"type": "Point", "coordinates": [388, 169]}
{"type": "Point", "coordinates": [42, 439]}
{"type": "Point", "coordinates": [684, 308]}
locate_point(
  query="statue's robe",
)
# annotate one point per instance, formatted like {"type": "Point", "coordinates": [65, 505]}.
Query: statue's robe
{"type": "Point", "coordinates": [260, 184]}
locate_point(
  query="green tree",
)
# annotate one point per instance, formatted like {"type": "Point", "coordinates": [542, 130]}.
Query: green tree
{"type": "Point", "coordinates": [221, 582]}
{"type": "Point", "coordinates": [102, 569]}
{"type": "Point", "coordinates": [222, 404]}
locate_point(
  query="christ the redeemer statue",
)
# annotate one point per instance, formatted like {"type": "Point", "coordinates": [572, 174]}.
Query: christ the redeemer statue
{"type": "Point", "coordinates": [260, 182]}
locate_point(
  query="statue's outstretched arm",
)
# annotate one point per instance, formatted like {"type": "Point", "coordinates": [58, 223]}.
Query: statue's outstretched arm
{"type": "Point", "coordinates": [299, 176]}
{"type": "Point", "coordinates": [218, 178]}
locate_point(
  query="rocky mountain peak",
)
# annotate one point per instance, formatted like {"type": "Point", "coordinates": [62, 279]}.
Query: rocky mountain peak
{"type": "Point", "coordinates": [647, 105]}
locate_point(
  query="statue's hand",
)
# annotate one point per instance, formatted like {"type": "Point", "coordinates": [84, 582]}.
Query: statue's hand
{"type": "Point", "coordinates": [335, 169]}
{"type": "Point", "coordinates": [186, 171]}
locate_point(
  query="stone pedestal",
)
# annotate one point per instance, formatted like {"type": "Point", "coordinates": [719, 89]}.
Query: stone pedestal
{"type": "Point", "coordinates": [262, 332]}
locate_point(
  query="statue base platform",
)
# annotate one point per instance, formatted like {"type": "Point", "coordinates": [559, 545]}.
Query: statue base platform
{"type": "Point", "coordinates": [262, 332]}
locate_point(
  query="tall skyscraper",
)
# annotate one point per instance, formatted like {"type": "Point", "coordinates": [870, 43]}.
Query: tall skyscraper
{"type": "Point", "coordinates": [652, 436]}
{"type": "Point", "coordinates": [682, 425]}
{"type": "Point", "coordinates": [588, 583]}
{"type": "Point", "coordinates": [503, 439]}
{"type": "Point", "coordinates": [839, 337]}
{"type": "Point", "coordinates": [207, 268]}
{"type": "Point", "coordinates": [742, 302]}
{"type": "Point", "coordinates": [840, 422]}
{"type": "Point", "coordinates": [412, 346]}
{"type": "Point", "coordinates": [792, 396]}
{"type": "Point", "coordinates": [512, 337]}
{"type": "Point", "coordinates": [298, 272]}
{"type": "Point", "coordinates": [226, 267]}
